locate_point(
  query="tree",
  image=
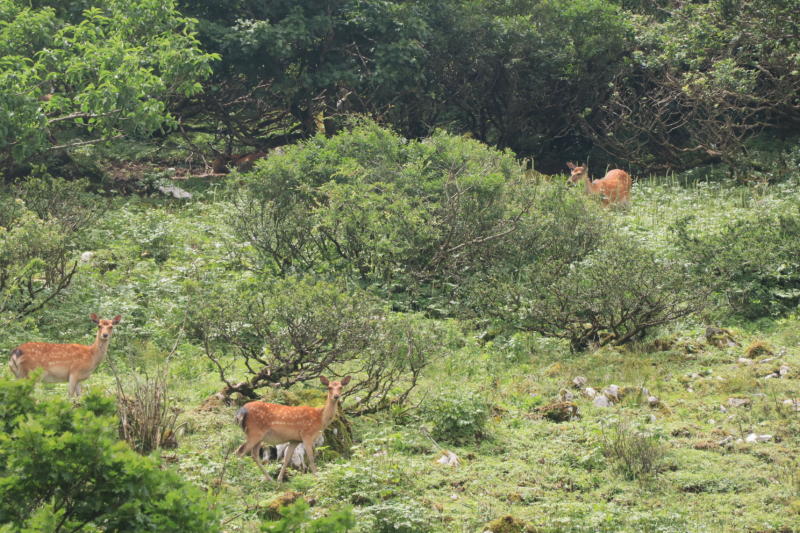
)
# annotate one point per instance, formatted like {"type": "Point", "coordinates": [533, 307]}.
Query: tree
{"type": "Point", "coordinates": [70, 81]}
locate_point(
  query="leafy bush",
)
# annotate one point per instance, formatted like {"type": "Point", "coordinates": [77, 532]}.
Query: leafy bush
{"type": "Point", "coordinates": [754, 262]}
{"type": "Point", "coordinates": [62, 466]}
{"type": "Point", "coordinates": [293, 330]}
{"type": "Point", "coordinates": [396, 516]}
{"type": "Point", "coordinates": [613, 294]}
{"type": "Point", "coordinates": [457, 417]}
{"type": "Point", "coordinates": [408, 219]}
{"type": "Point", "coordinates": [296, 518]}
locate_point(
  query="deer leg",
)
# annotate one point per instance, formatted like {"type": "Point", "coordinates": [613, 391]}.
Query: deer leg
{"type": "Point", "coordinates": [74, 386]}
{"type": "Point", "coordinates": [308, 444]}
{"type": "Point", "coordinates": [256, 453]}
{"type": "Point", "coordinates": [288, 452]}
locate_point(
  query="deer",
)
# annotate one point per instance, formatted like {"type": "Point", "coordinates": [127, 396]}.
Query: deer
{"type": "Point", "coordinates": [61, 363]}
{"type": "Point", "coordinates": [269, 423]}
{"type": "Point", "coordinates": [613, 188]}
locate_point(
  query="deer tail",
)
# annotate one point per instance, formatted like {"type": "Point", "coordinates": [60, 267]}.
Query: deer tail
{"type": "Point", "coordinates": [241, 418]}
{"type": "Point", "coordinates": [16, 353]}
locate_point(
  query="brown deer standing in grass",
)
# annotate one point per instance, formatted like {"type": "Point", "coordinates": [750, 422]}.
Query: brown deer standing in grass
{"type": "Point", "coordinates": [613, 188]}
{"type": "Point", "coordinates": [64, 362]}
{"type": "Point", "coordinates": [271, 423]}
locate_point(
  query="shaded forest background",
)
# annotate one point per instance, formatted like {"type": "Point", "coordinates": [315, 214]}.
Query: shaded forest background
{"type": "Point", "coordinates": [649, 85]}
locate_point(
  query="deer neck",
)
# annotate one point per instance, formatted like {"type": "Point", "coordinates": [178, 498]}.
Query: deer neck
{"type": "Point", "coordinates": [329, 411]}
{"type": "Point", "coordinates": [587, 183]}
{"type": "Point", "coordinates": [98, 350]}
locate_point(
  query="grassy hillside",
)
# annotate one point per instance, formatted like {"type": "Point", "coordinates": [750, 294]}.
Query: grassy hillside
{"type": "Point", "coordinates": [681, 463]}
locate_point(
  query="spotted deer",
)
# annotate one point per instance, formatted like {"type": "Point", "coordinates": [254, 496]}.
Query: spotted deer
{"type": "Point", "coordinates": [60, 363]}
{"type": "Point", "coordinates": [269, 423]}
{"type": "Point", "coordinates": [613, 188]}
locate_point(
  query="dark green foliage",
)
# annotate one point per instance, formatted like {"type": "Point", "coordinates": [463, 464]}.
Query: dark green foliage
{"type": "Point", "coordinates": [63, 466]}
{"type": "Point", "coordinates": [457, 416]}
{"type": "Point", "coordinates": [296, 518]}
{"type": "Point", "coordinates": [754, 262]}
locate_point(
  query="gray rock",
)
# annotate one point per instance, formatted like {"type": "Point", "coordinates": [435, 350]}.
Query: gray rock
{"type": "Point", "coordinates": [738, 402]}
{"type": "Point", "coordinates": [612, 391]}
{"type": "Point", "coordinates": [174, 191]}
{"type": "Point", "coordinates": [579, 381]}
{"type": "Point", "coordinates": [754, 437]}
{"type": "Point", "coordinates": [590, 392]}
{"type": "Point", "coordinates": [653, 401]}
{"type": "Point", "coordinates": [784, 370]}
{"type": "Point", "coordinates": [601, 401]}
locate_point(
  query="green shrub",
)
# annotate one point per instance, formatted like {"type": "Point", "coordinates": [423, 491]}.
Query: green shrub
{"type": "Point", "coordinates": [293, 330]}
{"type": "Point", "coordinates": [410, 220]}
{"type": "Point", "coordinates": [457, 417]}
{"type": "Point", "coordinates": [612, 294]}
{"type": "Point", "coordinates": [65, 461]}
{"type": "Point", "coordinates": [754, 262]}
{"type": "Point", "coordinates": [296, 518]}
{"type": "Point", "coordinates": [634, 453]}
{"type": "Point", "coordinates": [396, 516]}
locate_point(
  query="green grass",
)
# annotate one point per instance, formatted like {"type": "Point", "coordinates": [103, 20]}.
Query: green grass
{"type": "Point", "coordinates": [553, 476]}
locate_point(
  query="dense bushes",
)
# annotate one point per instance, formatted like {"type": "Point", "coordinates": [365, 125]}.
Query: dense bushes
{"type": "Point", "coordinates": [753, 263]}
{"type": "Point", "coordinates": [410, 220]}
{"type": "Point", "coordinates": [288, 331]}
{"type": "Point", "coordinates": [62, 468]}
{"type": "Point", "coordinates": [40, 221]}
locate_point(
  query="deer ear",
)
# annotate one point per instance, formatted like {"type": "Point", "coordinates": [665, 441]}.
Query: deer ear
{"type": "Point", "coordinates": [324, 380]}
{"type": "Point", "coordinates": [346, 380]}
{"type": "Point", "coordinates": [116, 319]}
{"type": "Point", "coordinates": [94, 318]}
{"type": "Point", "coordinates": [570, 165]}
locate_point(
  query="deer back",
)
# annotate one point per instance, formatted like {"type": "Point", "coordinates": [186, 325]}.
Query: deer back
{"type": "Point", "coordinates": [280, 423]}
{"type": "Point", "coordinates": [614, 187]}
{"type": "Point", "coordinates": [56, 360]}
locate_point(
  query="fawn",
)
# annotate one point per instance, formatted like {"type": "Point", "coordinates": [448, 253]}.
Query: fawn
{"type": "Point", "coordinates": [614, 187]}
{"type": "Point", "coordinates": [271, 423]}
{"type": "Point", "coordinates": [64, 362]}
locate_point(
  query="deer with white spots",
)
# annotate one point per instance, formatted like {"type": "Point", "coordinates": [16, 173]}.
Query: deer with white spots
{"type": "Point", "coordinates": [269, 423]}
{"type": "Point", "coordinates": [61, 363]}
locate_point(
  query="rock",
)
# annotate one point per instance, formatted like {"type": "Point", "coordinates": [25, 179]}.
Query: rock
{"type": "Point", "coordinates": [448, 458]}
{"type": "Point", "coordinates": [86, 257]}
{"type": "Point", "coordinates": [508, 524]}
{"type": "Point", "coordinates": [772, 376]}
{"type": "Point", "coordinates": [559, 411]}
{"type": "Point", "coordinates": [784, 370]}
{"type": "Point", "coordinates": [590, 392]}
{"type": "Point", "coordinates": [579, 381]}
{"type": "Point", "coordinates": [694, 375]}
{"type": "Point", "coordinates": [744, 361]}
{"type": "Point", "coordinates": [738, 402]}
{"type": "Point", "coordinates": [720, 337]}
{"type": "Point", "coordinates": [565, 395]}
{"type": "Point", "coordinates": [753, 437]}
{"type": "Point", "coordinates": [727, 440]}
{"type": "Point", "coordinates": [793, 404]}
{"type": "Point", "coordinates": [272, 510]}
{"type": "Point", "coordinates": [653, 401]}
{"type": "Point", "coordinates": [767, 360]}
{"type": "Point", "coordinates": [645, 392]}
{"type": "Point", "coordinates": [612, 392]}
{"type": "Point", "coordinates": [298, 459]}
{"type": "Point", "coordinates": [174, 191]}
{"type": "Point", "coordinates": [601, 401]}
